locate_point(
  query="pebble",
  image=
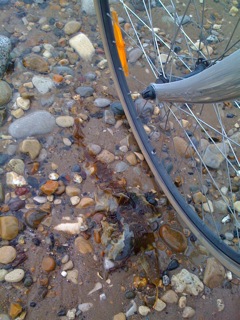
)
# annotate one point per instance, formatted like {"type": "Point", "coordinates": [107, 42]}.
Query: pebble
{"type": "Point", "coordinates": [6, 92]}
{"type": "Point", "coordinates": [7, 254]}
{"type": "Point", "coordinates": [208, 206]}
{"type": "Point", "coordinates": [32, 147]}
{"type": "Point", "coordinates": [199, 198]}
{"type": "Point", "coordinates": [102, 64]}
{"type": "Point", "coordinates": [213, 155]}
{"type": "Point", "coordinates": [236, 206]}
{"type": "Point", "coordinates": [188, 312]}
{"type": "Point", "coordinates": [186, 282]}
{"type": "Point", "coordinates": [72, 276]}
{"type": "Point", "coordinates": [16, 165]}
{"type": "Point", "coordinates": [15, 276]}
{"type": "Point", "coordinates": [134, 55]}
{"type": "Point", "coordinates": [233, 11]}
{"type": "Point", "coordinates": [36, 63]}
{"type": "Point", "coordinates": [3, 273]}
{"type": "Point", "coordinates": [170, 297]}
{"type": "Point", "coordinates": [85, 203]}
{"type": "Point", "coordinates": [182, 302]}
{"type": "Point", "coordinates": [117, 108]}
{"type": "Point", "coordinates": [9, 227]}
{"type": "Point", "coordinates": [36, 123]}
{"type": "Point", "coordinates": [132, 310]}
{"type": "Point", "coordinates": [22, 103]}
{"type": "Point", "coordinates": [159, 305]}
{"type": "Point", "coordinates": [143, 310]}
{"type": "Point", "coordinates": [88, 7]}
{"type": "Point", "coordinates": [94, 149]}
{"type": "Point", "coordinates": [121, 166]}
{"type": "Point", "coordinates": [67, 142]}
{"type": "Point", "coordinates": [220, 206]}
{"type": "Point", "coordinates": [49, 187]}
{"type": "Point", "coordinates": [119, 316]}
{"type": "Point", "coordinates": [106, 156]}
{"type": "Point", "coordinates": [67, 266]}
{"type": "Point", "coordinates": [71, 27]}
{"type": "Point", "coordinates": [43, 84]}
{"type": "Point", "coordinates": [65, 121]}
{"type": "Point", "coordinates": [34, 217]}
{"type": "Point", "coordinates": [82, 245]}
{"type": "Point", "coordinates": [102, 102]}
{"type": "Point", "coordinates": [85, 92]}
{"type": "Point", "coordinates": [220, 305]}
{"type": "Point", "coordinates": [18, 113]}
{"type": "Point", "coordinates": [5, 49]}
{"type": "Point", "coordinates": [14, 180]}
{"type": "Point", "coordinates": [214, 273]}
{"type": "Point", "coordinates": [108, 117]}
{"type": "Point", "coordinates": [75, 200]}
{"type": "Point", "coordinates": [83, 46]}
{"type": "Point", "coordinates": [48, 264]}
{"type": "Point", "coordinates": [84, 307]}
{"type": "Point", "coordinates": [131, 158]}
{"type": "Point", "coordinates": [65, 259]}
{"type": "Point", "coordinates": [182, 147]}
{"type": "Point", "coordinates": [72, 191]}
{"type": "Point", "coordinates": [3, 159]}
{"type": "Point", "coordinates": [14, 310]}
{"type": "Point", "coordinates": [175, 239]}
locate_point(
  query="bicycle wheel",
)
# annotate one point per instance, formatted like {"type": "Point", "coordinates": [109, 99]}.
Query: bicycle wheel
{"type": "Point", "coordinates": [192, 150]}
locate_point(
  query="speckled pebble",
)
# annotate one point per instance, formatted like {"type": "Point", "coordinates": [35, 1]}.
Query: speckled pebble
{"type": "Point", "coordinates": [15, 276]}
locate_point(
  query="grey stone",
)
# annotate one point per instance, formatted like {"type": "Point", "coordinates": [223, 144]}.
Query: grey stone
{"type": "Point", "coordinates": [5, 49]}
{"type": "Point", "coordinates": [220, 206]}
{"type": "Point", "coordinates": [117, 108]}
{"type": "Point", "coordinates": [85, 91]}
{"type": "Point", "coordinates": [236, 137]}
{"type": "Point", "coordinates": [90, 76]}
{"type": "Point", "coordinates": [183, 19]}
{"type": "Point", "coordinates": [144, 109]}
{"type": "Point", "coordinates": [102, 102]}
{"type": "Point", "coordinates": [38, 122]}
{"type": "Point", "coordinates": [2, 315]}
{"type": "Point", "coordinates": [214, 155]}
{"type": "Point", "coordinates": [47, 101]}
{"type": "Point", "coordinates": [63, 70]}
{"type": "Point", "coordinates": [42, 84]}
{"type": "Point", "coordinates": [121, 166]}
{"type": "Point", "coordinates": [109, 117]}
{"type": "Point", "coordinates": [6, 93]}
{"type": "Point", "coordinates": [134, 55]}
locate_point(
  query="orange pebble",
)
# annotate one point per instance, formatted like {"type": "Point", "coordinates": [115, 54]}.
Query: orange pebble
{"type": "Point", "coordinates": [58, 78]}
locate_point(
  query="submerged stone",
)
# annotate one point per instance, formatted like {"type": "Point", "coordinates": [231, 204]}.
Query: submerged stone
{"type": "Point", "coordinates": [38, 122]}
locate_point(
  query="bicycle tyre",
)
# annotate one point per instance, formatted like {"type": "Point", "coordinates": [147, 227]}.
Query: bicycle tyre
{"type": "Point", "coordinates": [228, 257]}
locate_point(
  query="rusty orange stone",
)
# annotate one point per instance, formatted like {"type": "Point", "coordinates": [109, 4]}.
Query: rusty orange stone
{"type": "Point", "coordinates": [174, 239]}
{"type": "Point", "coordinates": [58, 78]}
{"type": "Point", "coordinates": [49, 187]}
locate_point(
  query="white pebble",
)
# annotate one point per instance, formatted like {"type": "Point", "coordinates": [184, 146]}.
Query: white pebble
{"type": "Point", "coordinates": [64, 274]}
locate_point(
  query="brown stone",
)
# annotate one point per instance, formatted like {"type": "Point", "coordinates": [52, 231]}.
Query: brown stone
{"type": "Point", "coordinates": [175, 239]}
{"type": "Point", "coordinates": [214, 273]}
{"type": "Point", "coordinates": [14, 310]}
{"type": "Point", "coordinates": [48, 264]}
{"type": "Point", "coordinates": [36, 63]}
{"type": "Point", "coordinates": [49, 187]}
{"type": "Point", "coordinates": [9, 227]}
{"type": "Point", "coordinates": [82, 245]}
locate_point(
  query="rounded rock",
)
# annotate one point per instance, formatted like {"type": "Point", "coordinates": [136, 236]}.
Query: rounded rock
{"type": "Point", "coordinates": [15, 276]}
{"type": "Point", "coordinates": [48, 264]}
{"type": "Point", "coordinates": [7, 254]}
{"type": "Point", "coordinates": [9, 227]}
{"type": "Point", "coordinates": [188, 312]}
{"type": "Point", "coordinates": [65, 121]}
{"type": "Point", "coordinates": [72, 27]}
{"type": "Point", "coordinates": [6, 93]}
